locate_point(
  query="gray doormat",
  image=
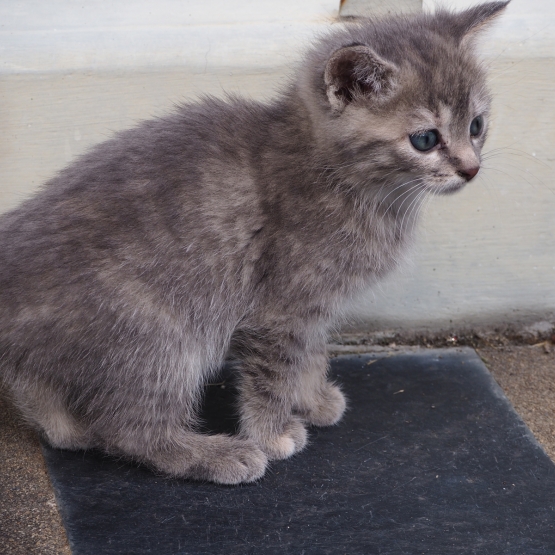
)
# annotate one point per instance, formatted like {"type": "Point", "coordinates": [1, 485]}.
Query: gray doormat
{"type": "Point", "coordinates": [430, 458]}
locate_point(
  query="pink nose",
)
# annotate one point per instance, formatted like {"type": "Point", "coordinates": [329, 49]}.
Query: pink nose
{"type": "Point", "coordinates": [469, 173]}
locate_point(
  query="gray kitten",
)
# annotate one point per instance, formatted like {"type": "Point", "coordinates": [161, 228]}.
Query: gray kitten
{"type": "Point", "coordinates": [234, 228]}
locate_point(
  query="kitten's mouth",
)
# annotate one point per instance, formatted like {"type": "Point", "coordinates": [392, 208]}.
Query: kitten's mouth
{"type": "Point", "coordinates": [447, 188]}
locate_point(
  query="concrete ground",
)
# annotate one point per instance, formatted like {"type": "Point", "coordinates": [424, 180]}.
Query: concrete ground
{"type": "Point", "coordinates": [29, 520]}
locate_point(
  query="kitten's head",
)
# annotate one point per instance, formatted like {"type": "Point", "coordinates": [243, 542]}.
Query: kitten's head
{"type": "Point", "coordinates": [403, 100]}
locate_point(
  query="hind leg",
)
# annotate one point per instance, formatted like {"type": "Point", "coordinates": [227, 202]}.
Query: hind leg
{"type": "Point", "coordinates": [157, 427]}
{"type": "Point", "coordinates": [172, 446]}
{"type": "Point", "coordinates": [214, 458]}
{"type": "Point", "coordinates": [170, 449]}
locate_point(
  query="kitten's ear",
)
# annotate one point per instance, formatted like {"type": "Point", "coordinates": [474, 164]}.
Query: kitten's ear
{"type": "Point", "coordinates": [474, 20]}
{"type": "Point", "coordinates": [357, 71]}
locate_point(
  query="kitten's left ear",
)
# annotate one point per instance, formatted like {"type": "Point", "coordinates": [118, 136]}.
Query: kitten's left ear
{"type": "Point", "coordinates": [355, 71]}
{"type": "Point", "coordinates": [474, 20]}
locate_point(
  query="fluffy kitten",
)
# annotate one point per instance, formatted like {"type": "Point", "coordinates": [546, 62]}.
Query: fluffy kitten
{"type": "Point", "coordinates": [233, 227]}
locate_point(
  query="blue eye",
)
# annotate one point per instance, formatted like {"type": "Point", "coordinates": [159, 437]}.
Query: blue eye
{"type": "Point", "coordinates": [425, 141]}
{"type": "Point", "coordinates": [476, 126]}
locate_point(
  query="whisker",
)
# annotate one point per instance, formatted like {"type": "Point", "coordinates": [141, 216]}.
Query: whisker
{"type": "Point", "coordinates": [513, 177]}
{"type": "Point", "coordinates": [412, 207]}
{"type": "Point", "coordinates": [404, 184]}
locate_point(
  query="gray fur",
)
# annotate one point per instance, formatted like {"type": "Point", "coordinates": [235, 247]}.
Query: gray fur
{"type": "Point", "coordinates": [232, 227]}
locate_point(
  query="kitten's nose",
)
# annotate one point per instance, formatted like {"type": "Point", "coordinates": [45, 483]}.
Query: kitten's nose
{"type": "Point", "coordinates": [469, 173]}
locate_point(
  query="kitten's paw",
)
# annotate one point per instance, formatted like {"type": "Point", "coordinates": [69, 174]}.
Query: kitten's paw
{"type": "Point", "coordinates": [328, 408]}
{"type": "Point", "coordinates": [218, 458]}
{"type": "Point", "coordinates": [291, 441]}
{"type": "Point", "coordinates": [246, 462]}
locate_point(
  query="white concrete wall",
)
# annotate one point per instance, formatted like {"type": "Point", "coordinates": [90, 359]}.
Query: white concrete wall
{"type": "Point", "coordinates": [73, 72]}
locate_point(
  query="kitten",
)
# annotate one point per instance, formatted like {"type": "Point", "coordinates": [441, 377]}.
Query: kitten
{"type": "Point", "coordinates": [234, 227]}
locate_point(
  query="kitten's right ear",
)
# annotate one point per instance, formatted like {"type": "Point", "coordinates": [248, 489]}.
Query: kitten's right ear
{"type": "Point", "coordinates": [357, 71]}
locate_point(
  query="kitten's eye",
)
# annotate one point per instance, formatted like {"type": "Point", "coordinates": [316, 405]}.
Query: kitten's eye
{"type": "Point", "coordinates": [425, 141]}
{"type": "Point", "coordinates": [476, 126]}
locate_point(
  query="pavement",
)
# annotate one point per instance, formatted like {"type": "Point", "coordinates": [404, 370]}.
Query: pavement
{"type": "Point", "coordinates": [29, 520]}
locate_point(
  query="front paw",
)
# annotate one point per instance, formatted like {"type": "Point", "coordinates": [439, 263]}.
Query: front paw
{"type": "Point", "coordinates": [327, 408]}
{"type": "Point", "coordinates": [292, 440]}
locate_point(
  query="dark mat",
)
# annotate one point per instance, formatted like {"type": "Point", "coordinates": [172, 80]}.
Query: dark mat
{"type": "Point", "coordinates": [430, 458]}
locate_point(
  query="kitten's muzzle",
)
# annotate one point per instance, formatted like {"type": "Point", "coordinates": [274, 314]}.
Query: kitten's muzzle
{"type": "Point", "coordinates": [469, 173]}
